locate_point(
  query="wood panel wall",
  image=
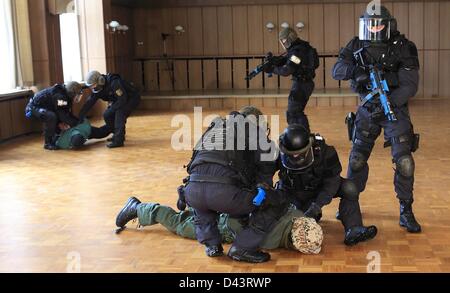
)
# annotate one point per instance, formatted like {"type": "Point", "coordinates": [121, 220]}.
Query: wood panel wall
{"type": "Point", "coordinates": [119, 45]}
{"type": "Point", "coordinates": [45, 44]}
{"type": "Point", "coordinates": [13, 122]}
{"type": "Point", "coordinates": [237, 30]}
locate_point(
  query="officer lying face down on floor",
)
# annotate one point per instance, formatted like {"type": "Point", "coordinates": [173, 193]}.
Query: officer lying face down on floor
{"type": "Point", "coordinates": [76, 137]}
{"type": "Point", "coordinates": [53, 107]}
{"type": "Point", "coordinates": [383, 56]}
{"type": "Point", "coordinates": [123, 99]}
{"type": "Point", "coordinates": [231, 172]}
{"type": "Point", "coordinates": [310, 175]}
{"type": "Point", "coordinates": [292, 231]}
{"type": "Point", "coordinates": [301, 63]}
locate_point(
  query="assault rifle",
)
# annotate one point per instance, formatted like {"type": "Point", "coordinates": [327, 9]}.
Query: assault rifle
{"type": "Point", "coordinates": [269, 62]}
{"type": "Point", "coordinates": [378, 85]}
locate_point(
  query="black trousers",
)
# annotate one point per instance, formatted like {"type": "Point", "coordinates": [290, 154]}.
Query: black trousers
{"type": "Point", "coordinates": [367, 132]}
{"type": "Point", "coordinates": [210, 199]}
{"type": "Point", "coordinates": [349, 208]}
{"type": "Point", "coordinates": [115, 121]}
{"type": "Point", "coordinates": [50, 121]}
{"type": "Point", "coordinates": [298, 99]}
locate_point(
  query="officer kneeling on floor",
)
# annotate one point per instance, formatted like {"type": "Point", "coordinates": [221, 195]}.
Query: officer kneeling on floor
{"type": "Point", "coordinates": [123, 99]}
{"type": "Point", "coordinates": [227, 166]}
{"type": "Point", "coordinates": [53, 107]}
{"type": "Point", "coordinates": [310, 175]}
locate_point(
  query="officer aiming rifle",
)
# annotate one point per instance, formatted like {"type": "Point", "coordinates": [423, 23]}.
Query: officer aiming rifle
{"type": "Point", "coordinates": [269, 62]}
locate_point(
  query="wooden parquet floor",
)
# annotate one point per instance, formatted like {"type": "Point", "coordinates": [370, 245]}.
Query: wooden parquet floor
{"type": "Point", "coordinates": [53, 204]}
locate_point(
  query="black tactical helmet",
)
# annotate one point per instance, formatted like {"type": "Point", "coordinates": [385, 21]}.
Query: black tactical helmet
{"type": "Point", "coordinates": [287, 37]}
{"type": "Point", "coordinates": [296, 146]}
{"type": "Point", "coordinates": [250, 111]}
{"type": "Point", "coordinates": [377, 26]}
{"type": "Point", "coordinates": [73, 89]}
{"type": "Point", "coordinates": [96, 81]}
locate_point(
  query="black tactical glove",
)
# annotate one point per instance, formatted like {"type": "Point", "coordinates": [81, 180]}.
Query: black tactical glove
{"type": "Point", "coordinates": [314, 211]}
{"type": "Point", "coordinates": [269, 69]}
{"type": "Point", "coordinates": [361, 76]}
{"type": "Point", "coordinates": [269, 60]}
{"type": "Point", "coordinates": [273, 197]}
{"type": "Point", "coordinates": [268, 57]}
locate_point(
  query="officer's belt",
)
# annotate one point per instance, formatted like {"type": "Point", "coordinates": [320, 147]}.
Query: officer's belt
{"type": "Point", "coordinates": [302, 78]}
{"type": "Point", "coordinates": [214, 179]}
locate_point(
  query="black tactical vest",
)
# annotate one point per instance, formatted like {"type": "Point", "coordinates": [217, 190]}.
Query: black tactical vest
{"type": "Point", "coordinates": [309, 59]}
{"type": "Point", "coordinates": [47, 98]}
{"type": "Point", "coordinates": [108, 92]}
{"type": "Point", "coordinates": [212, 149]}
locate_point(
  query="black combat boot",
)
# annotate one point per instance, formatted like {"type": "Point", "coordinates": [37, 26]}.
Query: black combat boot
{"type": "Point", "coordinates": [50, 147]}
{"type": "Point", "coordinates": [407, 219]}
{"type": "Point", "coordinates": [214, 251]}
{"type": "Point", "coordinates": [238, 254]}
{"type": "Point", "coordinates": [50, 144]}
{"type": "Point", "coordinates": [358, 234]}
{"type": "Point", "coordinates": [128, 213]}
{"type": "Point", "coordinates": [111, 139]}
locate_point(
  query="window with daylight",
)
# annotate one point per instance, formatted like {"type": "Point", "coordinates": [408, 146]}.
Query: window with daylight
{"type": "Point", "coordinates": [7, 52]}
{"type": "Point", "coordinates": [70, 46]}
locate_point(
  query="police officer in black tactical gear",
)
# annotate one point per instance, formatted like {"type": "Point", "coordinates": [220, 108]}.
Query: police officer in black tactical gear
{"type": "Point", "coordinates": [53, 106]}
{"type": "Point", "coordinates": [383, 46]}
{"type": "Point", "coordinates": [224, 174]}
{"type": "Point", "coordinates": [122, 97]}
{"type": "Point", "coordinates": [310, 175]}
{"type": "Point", "coordinates": [301, 62]}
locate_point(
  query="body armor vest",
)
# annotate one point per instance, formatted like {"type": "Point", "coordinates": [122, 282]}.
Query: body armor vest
{"type": "Point", "coordinates": [214, 148]}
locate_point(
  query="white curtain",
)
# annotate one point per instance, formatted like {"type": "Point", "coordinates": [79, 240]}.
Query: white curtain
{"type": "Point", "coordinates": [22, 41]}
{"type": "Point", "coordinates": [7, 51]}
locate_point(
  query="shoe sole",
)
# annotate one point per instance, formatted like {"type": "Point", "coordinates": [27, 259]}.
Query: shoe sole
{"type": "Point", "coordinates": [362, 238]}
{"type": "Point", "coordinates": [115, 147]}
{"type": "Point", "coordinates": [239, 259]}
{"type": "Point", "coordinates": [216, 255]}
{"type": "Point", "coordinates": [410, 231]}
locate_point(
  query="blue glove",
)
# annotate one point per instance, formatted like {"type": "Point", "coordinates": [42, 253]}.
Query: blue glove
{"type": "Point", "coordinates": [260, 197]}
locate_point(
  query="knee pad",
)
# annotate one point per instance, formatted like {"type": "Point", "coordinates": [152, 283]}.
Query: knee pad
{"type": "Point", "coordinates": [349, 190]}
{"type": "Point", "coordinates": [77, 141]}
{"type": "Point", "coordinates": [406, 166]}
{"type": "Point", "coordinates": [357, 161]}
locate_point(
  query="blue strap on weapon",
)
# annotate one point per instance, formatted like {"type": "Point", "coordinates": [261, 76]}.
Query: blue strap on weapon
{"type": "Point", "coordinates": [379, 87]}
